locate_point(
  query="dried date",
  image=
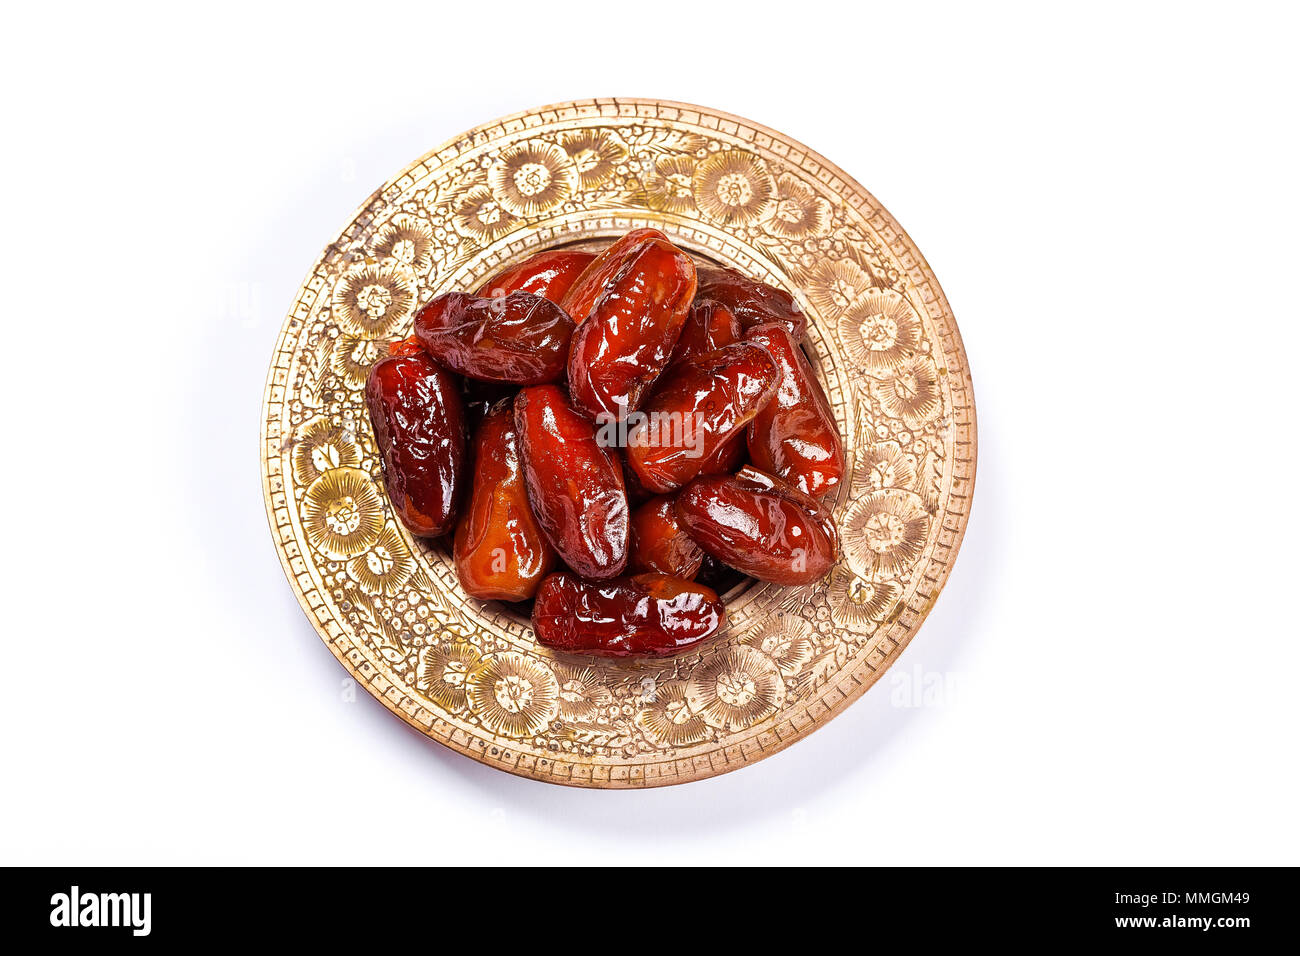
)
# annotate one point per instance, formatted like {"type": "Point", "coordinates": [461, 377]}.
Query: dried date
{"type": "Point", "coordinates": [419, 424]}
{"type": "Point", "coordinates": [644, 615]}
{"type": "Point", "coordinates": [795, 436]}
{"type": "Point", "coordinates": [500, 551]}
{"type": "Point", "coordinates": [619, 350]}
{"type": "Point", "coordinates": [575, 485]}
{"type": "Point", "coordinates": [702, 404]}
{"type": "Point", "coordinates": [761, 526]}
{"type": "Point", "coordinates": [519, 338]}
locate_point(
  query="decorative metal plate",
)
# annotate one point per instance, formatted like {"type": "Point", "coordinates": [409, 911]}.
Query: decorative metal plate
{"type": "Point", "coordinates": [468, 674]}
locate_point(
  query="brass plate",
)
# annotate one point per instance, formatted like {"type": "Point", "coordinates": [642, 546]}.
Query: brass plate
{"type": "Point", "coordinates": [468, 674]}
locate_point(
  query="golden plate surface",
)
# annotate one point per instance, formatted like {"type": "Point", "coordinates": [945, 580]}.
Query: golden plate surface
{"type": "Point", "coordinates": [466, 673]}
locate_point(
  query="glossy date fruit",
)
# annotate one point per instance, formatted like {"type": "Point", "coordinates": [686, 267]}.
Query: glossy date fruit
{"type": "Point", "coordinates": [419, 422]}
{"type": "Point", "coordinates": [699, 406]}
{"type": "Point", "coordinates": [649, 615]}
{"type": "Point", "coordinates": [760, 525]}
{"type": "Point", "coordinates": [619, 350]}
{"type": "Point", "coordinates": [752, 302]}
{"type": "Point", "coordinates": [519, 338]}
{"type": "Point", "coordinates": [660, 543]}
{"type": "Point", "coordinates": [575, 486]}
{"type": "Point", "coordinates": [548, 274]}
{"type": "Point", "coordinates": [795, 436]}
{"type": "Point", "coordinates": [588, 287]}
{"type": "Point", "coordinates": [500, 551]}
{"type": "Point", "coordinates": [709, 325]}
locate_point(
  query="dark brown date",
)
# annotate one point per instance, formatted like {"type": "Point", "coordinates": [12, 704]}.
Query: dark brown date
{"type": "Point", "coordinates": [752, 302]}
{"type": "Point", "coordinates": [419, 424]}
{"type": "Point", "coordinates": [520, 338]}
{"type": "Point", "coordinates": [700, 405]}
{"type": "Point", "coordinates": [795, 436]}
{"type": "Point", "coordinates": [501, 553]}
{"type": "Point", "coordinates": [625, 342]}
{"type": "Point", "coordinates": [575, 486]}
{"type": "Point", "coordinates": [548, 274]}
{"type": "Point", "coordinates": [588, 287]}
{"type": "Point", "coordinates": [649, 615]}
{"type": "Point", "coordinates": [709, 325]}
{"type": "Point", "coordinates": [761, 526]}
{"type": "Point", "coordinates": [660, 543]}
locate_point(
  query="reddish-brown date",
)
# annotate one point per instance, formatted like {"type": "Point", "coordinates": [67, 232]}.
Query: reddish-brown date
{"type": "Point", "coordinates": [650, 615]}
{"type": "Point", "coordinates": [752, 302]}
{"type": "Point", "coordinates": [760, 526]}
{"type": "Point", "coordinates": [407, 346]}
{"type": "Point", "coordinates": [795, 436]}
{"type": "Point", "coordinates": [709, 325]}
{"type": "Point", "coordinates": [625, 342]}
{"type": "Point", "coordinates": [660, 543]}
{"type": "Point", "coordinates": [699, 406]}
{"type": "Point", "coordinates": [587, 288]}
{"type": "Point", "coordinates": [548, 274]}
{"type": "Point", "coordinates": [520, 338]}
{"type": "Point", "coordinates": [575, 485]}
{"type": "Point", "coordinates": [501, 553]}
{"type": "Point", "coordinates": [419, 423]}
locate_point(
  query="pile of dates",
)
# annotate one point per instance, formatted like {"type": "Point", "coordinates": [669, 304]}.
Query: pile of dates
{"type": "Point", "coordinates": [616, 438]}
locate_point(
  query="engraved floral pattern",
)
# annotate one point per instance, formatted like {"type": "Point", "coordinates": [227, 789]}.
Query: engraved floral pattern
{"type": "Point", "coordinates": [469, 673]}
{"type": "Point", "coordinates": [789, 643]}
{"type": "Point", "coordinates": [595, 154]}
{"type": "Point", "coordinates": [912, 393]}
{"type": "Point", "coordinates": [384, 567]}
{"type": "Point", "coordinates": [320, 446]}
{"type": "Point", "coordinates": [799, 211]}
{"type": "Point", "coordinates": [733, 187]}
{"type": "Point", "coordinates": [883, 465]}
{"type": "Point", "coordinates": [835, 285]}
{"type": "Point", "coordinates": [342, 512]}
{"type": "Point", "coordinates": [513, 694]}
{"type": "Point", "coordinates": [735, 687]}
{"type": "Point", "coordinates": [671, 187]}
{"type": "Point", "coordinates": [480, 215]}
{"type": "Point", "coordinates": [880, 330]}
{"type": "Point", "coordinates": [444, 672]}
{"type": "Point", "coordinates": [352, 356]}
{"type": "Point", "coordinates": [406, 243]}
{"type": "Point", "coordinates": [668, 719]}
{"type": "Point", "coordinates": [373, 301]}
{"type": "Point", "coordinates": [532, 177]}
{"type": "Point", "coordinates": [583, 694]}
{"type": "Point", "coordinates": [857, 602]}
{"type": "Point", "coordinates": [884, 533]}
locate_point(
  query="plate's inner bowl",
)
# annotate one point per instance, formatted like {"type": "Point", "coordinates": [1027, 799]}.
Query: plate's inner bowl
{"type": "Point", "coordinates": [521, 612]}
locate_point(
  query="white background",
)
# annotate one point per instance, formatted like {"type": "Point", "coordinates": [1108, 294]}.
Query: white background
{"type": "Point", "coordinates": [1107, 195]}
